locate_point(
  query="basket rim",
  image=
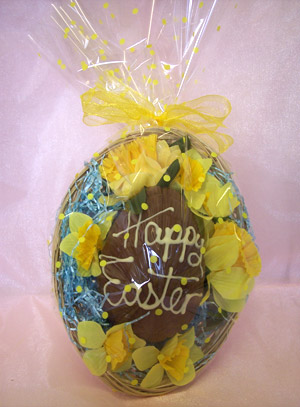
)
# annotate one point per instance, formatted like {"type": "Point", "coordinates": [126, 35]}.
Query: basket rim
{"type": "Point", "coordinates": [110, 377]}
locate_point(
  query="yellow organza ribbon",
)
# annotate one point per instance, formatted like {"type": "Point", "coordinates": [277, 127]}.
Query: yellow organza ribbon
{"type": "Point", "coordinates": [119, 103]}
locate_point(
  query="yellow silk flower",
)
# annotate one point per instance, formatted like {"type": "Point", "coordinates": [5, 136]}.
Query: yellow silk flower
{"type": "Point", "coordinates": [233, 261]}
{"type": "Point", "coordinates": [114, 348]}
{"type": "Point", "coordinates": [193, 171]}
{"type": "Point", "coordinates": [176, 358]}
{"type": "Point", "coordinates": [84, 241]}
{"type": "Point", "coordinates": [213, 199]}
{"type": "Point", "coordinates": [137, 164]}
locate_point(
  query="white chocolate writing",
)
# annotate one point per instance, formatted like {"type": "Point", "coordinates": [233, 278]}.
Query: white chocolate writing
{"type": "Point", "coordinates": [153, 301]}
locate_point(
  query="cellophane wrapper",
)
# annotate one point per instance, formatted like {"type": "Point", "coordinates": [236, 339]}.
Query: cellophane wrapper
{"type": "Point", "coordinates": [153, 252]}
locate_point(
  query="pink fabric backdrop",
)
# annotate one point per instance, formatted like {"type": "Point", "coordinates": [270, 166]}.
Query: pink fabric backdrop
{"type": "Point", "coordinates": [255, 63]}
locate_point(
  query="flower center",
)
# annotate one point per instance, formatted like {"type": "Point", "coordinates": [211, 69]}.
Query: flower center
{"type": "Point", "coordinates": [175, 363]}
{"type": "Point", "coordinates": [88, 237]}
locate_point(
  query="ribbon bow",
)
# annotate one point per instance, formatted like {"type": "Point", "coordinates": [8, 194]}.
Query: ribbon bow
{"type": "Point", "coordinates": [119, 103]}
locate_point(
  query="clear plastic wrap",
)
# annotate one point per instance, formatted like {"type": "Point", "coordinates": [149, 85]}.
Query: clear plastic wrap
{"type": "Point", "coordinates": [153, 253]}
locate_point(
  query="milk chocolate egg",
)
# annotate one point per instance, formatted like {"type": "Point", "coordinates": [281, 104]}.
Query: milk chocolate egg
{"type": "Point", "coordinates": [152, 266]}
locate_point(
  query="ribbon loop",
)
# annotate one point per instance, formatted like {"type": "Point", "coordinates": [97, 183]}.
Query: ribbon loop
{"type": "Point", "coordinates": [122, 104]}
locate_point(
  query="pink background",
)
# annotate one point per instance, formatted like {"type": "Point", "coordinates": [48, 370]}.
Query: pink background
{"type": "Point", "coordinates": [254, 61]}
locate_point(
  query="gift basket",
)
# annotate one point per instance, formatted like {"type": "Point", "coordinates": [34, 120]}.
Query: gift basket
{"type": "Point", "coordinates": [153, 254]}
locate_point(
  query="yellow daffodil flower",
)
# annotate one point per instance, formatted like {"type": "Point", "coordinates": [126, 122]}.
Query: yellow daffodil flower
{"type": "Point", "coordinates": [137, 164]}
{"type": "Point", "coordinates": [233, 261]}
{"type": "Point", "coordinates": [213, 199]}
{"type": "Point", "coordinates": [193, 171]}
{"type": "Point", "coordinates": [84, 241]}
{"type": "Point", "coordinates": [176, 359]}
{"type": "Point", "coordinates": [113, 348]}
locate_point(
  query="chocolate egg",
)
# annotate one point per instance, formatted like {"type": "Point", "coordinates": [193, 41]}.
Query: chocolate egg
{"type": "Point", "coordinates": [152, 266]}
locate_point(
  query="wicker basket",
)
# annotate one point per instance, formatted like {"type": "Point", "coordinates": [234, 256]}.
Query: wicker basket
{"type": "Point", "coordinates": [221, 332]}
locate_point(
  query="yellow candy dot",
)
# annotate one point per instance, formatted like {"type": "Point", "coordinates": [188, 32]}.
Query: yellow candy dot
{"type": "Point", "coordinates": [144, 206]}
{"type": "Point", "coordinates": [152, 66]}
{"type": "Point", "coordinates": [127, 288]}
{"type": "Point", "coordinates": [201, 4]}
{"type": "Point", "coordinates": [132, 49]}
{"type": "Point", "coordinates": [184, 19]}
{"type": "Point", "coordinates": [105, 42]}
{"type": "Point", "coordinates": [244, 215]}
{"type": "Point", "coordinates": [81, 239]}
{"type": "Point", "coordinates": [177, 85]}
{"type": "Point", "coordinates": [166, 178]}
{"type": "Point", "coordinates": [177, 228]}
{"type": "Point", "coordinates": [112, 16]}
{"type": "Point", "coordinates": [220, 220]}
{"type": "Point", "coordinates": [134, 382]}
{"type": "Point", "coordinates": [155, 82]}
{"type": "Point", "coordinates": [160, 357]}
{"type": "Point", "coordinates": [135, 11]}
{"type": "Point", "coordinates": [90, 196]}
{"type": "Point", "coordinates": [103, 57]}
{"type": "Point", "coordinates": [58, 264]}
{"type": "Point", "coordinates": [201, 179]}
{"type": "Point", "coordinates": [164, 21]}
{"type": "Point", "coordinates": [101, 51]}
{"type": "Point", "coordinates": [108, 358]}
{"type": "Point", "coordinates": [167, 128]}
{"type": "Point", "coordinates": [133, 162]}
{"type": "Point", "coordinates": [153, 259]}
{"type": "Point", "coordinates": [104, 315]}
{"type": "Point", "coordinates": [213, 154]}
{"type": "Point", "coordinates": [82, 340]}
{"type": "Point", "coordinates": [67, 30]}
{"type": "Point", "coordinates": [207, 340]}
{"type": "Point", "coordinates": [103, 263]}
{"type": "Point", "coordinates": [72, 4]}
{"type": "Point", "coordinates": [183, 281]}
{"type": "Point", "coordinates": [61, 216]}
{"type": "Point", "coordinates": [73, 22]}
{"type": "Point", "coordinates": [218, 28]}
{"type": "Point", "coordinates": [196, 49]}
{"type": "Point", "coordinates": [131, 341]}
{"type": "Point", "coordinates": [220, 310]}
{"type": "Point", "coordinates": [96, 155]}
{"type": "Point", "coordinates": [167, 67]}
{"type": "Point", "coordinates": [122, 41]}
{"type": "Point", "coordinates": [184, 327]}
{"type": "Point", "coordinates": [84, 66]}
{"type": "Point", "coordinates": [126, 236]}
{"type": "Point", "coordinates": [158, 312]}
{"type": "Point", "coordinates": [202, 250]}
{"type": "Point", "coordinates": [105, 5]}
{"type": "Point", "coordinates": [117, 176]}
{"type": "Point", "coordinates": [94, 36]}
{"type": "Point", "coordinates": [152, 52]}
{"type": "Point", "coordinates": [79, 289]}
